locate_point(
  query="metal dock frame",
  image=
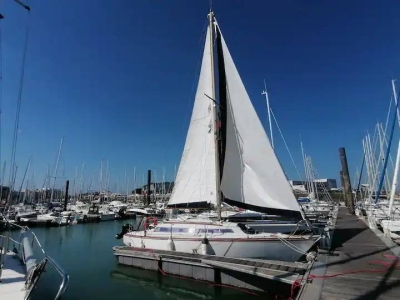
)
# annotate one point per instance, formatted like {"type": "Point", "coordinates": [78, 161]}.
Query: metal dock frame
{"type": "Point", "coordinates": [250, 274]}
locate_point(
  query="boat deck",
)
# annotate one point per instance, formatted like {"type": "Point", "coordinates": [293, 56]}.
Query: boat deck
{"type": "Point", "coordinates": [12, 284]}
{"type": "Point", "coordinates": [360, 267]}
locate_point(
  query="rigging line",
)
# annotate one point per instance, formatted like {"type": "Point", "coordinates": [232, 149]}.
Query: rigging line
{"type": "Point", "coordinates": [372, 149]}
{"type": "Point", "coordinates": [388, 114]}
{"type": "Point", "coordinates": [387, 153]}
{"type": "Point", "coordinates": [385, 144]}
{"type": "Point", "coordinates": [375, 145]}
{"type": "Point", "coordinates": [324, 189]}
{"type": "Point", "coordinates": [284, 141]}
{"type": "Point", "coordinates": [23, 178]}
{"type": "Point", "coordinates": [23, 5]}
{"type": "Point", "coordinates": [19, 100]}
{"type": "Point", "coordinates": [2, 180]}
{"type": "Point", "coordinates": [382, 143]}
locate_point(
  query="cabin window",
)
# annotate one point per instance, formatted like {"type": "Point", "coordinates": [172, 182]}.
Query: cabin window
{"type": "Point", "coordinates": [215, 231]}
{"type": "Point", "coordinates": [174, 229]}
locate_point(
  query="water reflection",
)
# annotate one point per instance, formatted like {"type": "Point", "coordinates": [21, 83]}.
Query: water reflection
{"type": "Point", "coordinates": [167, 287]}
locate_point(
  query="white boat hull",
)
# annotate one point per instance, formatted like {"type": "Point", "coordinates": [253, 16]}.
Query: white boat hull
{"type": "Point", "coordinates": [265, 248]}
{"type": "Point", "coordinates": [391, 228]}
{"type": "Point", "coordinates": [61, 221]}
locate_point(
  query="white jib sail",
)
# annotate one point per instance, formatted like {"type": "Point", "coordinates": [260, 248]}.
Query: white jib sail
{"type": "Point", "coordinates": [196, 176]}
{"type": "Point", "coordinates": [252, 173]}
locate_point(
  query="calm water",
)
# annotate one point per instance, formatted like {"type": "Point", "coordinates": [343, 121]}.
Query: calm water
{"type": "Point", "coordinates": [84, 251]}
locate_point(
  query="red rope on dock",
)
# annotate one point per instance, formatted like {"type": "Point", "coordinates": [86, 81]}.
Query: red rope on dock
{"type": "Point", "coordinates": [387, 264]}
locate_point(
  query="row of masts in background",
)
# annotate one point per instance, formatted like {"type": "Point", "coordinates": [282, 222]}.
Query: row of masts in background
{"type": "Point", "coordinates": [377, 160]}
{"type": "Point", "coordinates": [100, 188]}
{"type": "Point", "coordinates": [39, 196]}
{"type": "Point", "coordinates": [102, 185]}
{"type": "Point", "coordinates": [381, 214]}
{"type": "Point", "coordinates": [92, 190]}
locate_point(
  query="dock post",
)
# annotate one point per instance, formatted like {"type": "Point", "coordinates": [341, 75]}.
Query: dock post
{"type": "Point", "coordinates": [343, 189]}
{"type": "Point", "coordinates": [346, 180]}
{"type": "Point", "coordinates": [148, 187]}
{"type": "Point", "coordinates": [66, 195]}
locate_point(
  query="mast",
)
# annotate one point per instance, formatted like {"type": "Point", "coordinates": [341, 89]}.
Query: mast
{"type": "Point", "coordinates": [395, 101]}
{"type": "Point", "coordinates": [381, 134]}
{"type": "Point", "coordinates": [217, 165]}
{"type": "Point", "coordinates": [81, 182]}
{"type": "Point", "coordinates": [134, 183]}
{"type": "Point", "coordinates": [306, 183]}
{"type": "Point", "coordinates": [386, 156]}
{"type": "Point", "coordinates": [265, 92]}
{"type": "Point", "coordinates": [396, 170]}
{"type": "Point", "coordinates": [74, 187]}
{"type": "Point", "coordinates": [55, 169]}
{"type": "Point", "coordinates": [394, 184]}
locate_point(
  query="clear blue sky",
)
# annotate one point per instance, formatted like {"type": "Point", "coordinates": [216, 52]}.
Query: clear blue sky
{"type": "Point", "coordinates": [117, 78]}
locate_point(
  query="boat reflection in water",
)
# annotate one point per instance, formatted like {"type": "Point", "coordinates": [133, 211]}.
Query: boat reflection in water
{"type": "Point", "coordinates": [160, 286]}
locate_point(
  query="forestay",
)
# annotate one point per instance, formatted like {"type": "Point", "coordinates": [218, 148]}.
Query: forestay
{"type": "Point", "coordinates": [252, 175]}
{"type": "Point", "coordinates": [196, 178]}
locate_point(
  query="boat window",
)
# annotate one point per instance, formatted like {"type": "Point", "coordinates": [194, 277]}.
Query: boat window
{"type": "Point", "coordinates": [215, 231]}
{"type": "Point", "coordinates": [174, 229]}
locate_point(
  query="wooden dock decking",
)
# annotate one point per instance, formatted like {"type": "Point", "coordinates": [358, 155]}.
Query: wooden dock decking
{"type": "Point", "coordinates": [372, 271]}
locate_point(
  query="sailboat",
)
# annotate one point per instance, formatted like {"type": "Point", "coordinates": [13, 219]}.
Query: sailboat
{"type": "Point", "coordinates": [227, 156]}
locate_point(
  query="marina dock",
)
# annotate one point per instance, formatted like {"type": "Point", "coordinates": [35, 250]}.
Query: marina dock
{"type": "Point", "coordinates": [250, 274]}
{"type": "Point", "coordinates": [360, 265]}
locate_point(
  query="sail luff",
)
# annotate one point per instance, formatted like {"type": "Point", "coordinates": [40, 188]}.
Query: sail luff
{"type": "Point", "coordinates": [196, 177]}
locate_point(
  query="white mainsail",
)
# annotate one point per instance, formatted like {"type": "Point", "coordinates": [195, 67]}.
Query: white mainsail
{"type": "Point", "coordinates": [196, 177]}
{"type": "Point", "coordinates": [252, 173]}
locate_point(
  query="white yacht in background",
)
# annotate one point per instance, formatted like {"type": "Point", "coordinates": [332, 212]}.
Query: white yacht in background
{"type": "Point", "coordinates": [245, 169]}
{"type": "Point", "coordinates": [143, 211]}
{"type": "Point", "coordinates": [25, 212]}
{"type": "Point", "coordinates": [107, 214]}
{"type": "Point", "coordinates": [48, 217]}
{"type": "Point", "coordinates": [116, 206]}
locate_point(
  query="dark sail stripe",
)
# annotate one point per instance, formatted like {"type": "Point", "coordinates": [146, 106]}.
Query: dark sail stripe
{"type": "Point", "coordinates": [222, 102]}
{"type": "Point", "coordinates": [293, 214]}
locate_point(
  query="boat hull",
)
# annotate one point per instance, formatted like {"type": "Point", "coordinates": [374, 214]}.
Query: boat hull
{"type": "Point", "coordinates": [107, 217]}
{"type": "Point", "coordinates": [391, 228]}
{"type": "Point", "coordinates": [263, 248]}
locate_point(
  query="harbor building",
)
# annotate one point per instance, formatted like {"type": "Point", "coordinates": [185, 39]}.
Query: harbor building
{"type": "Point", "coordinates": [322, 184]}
